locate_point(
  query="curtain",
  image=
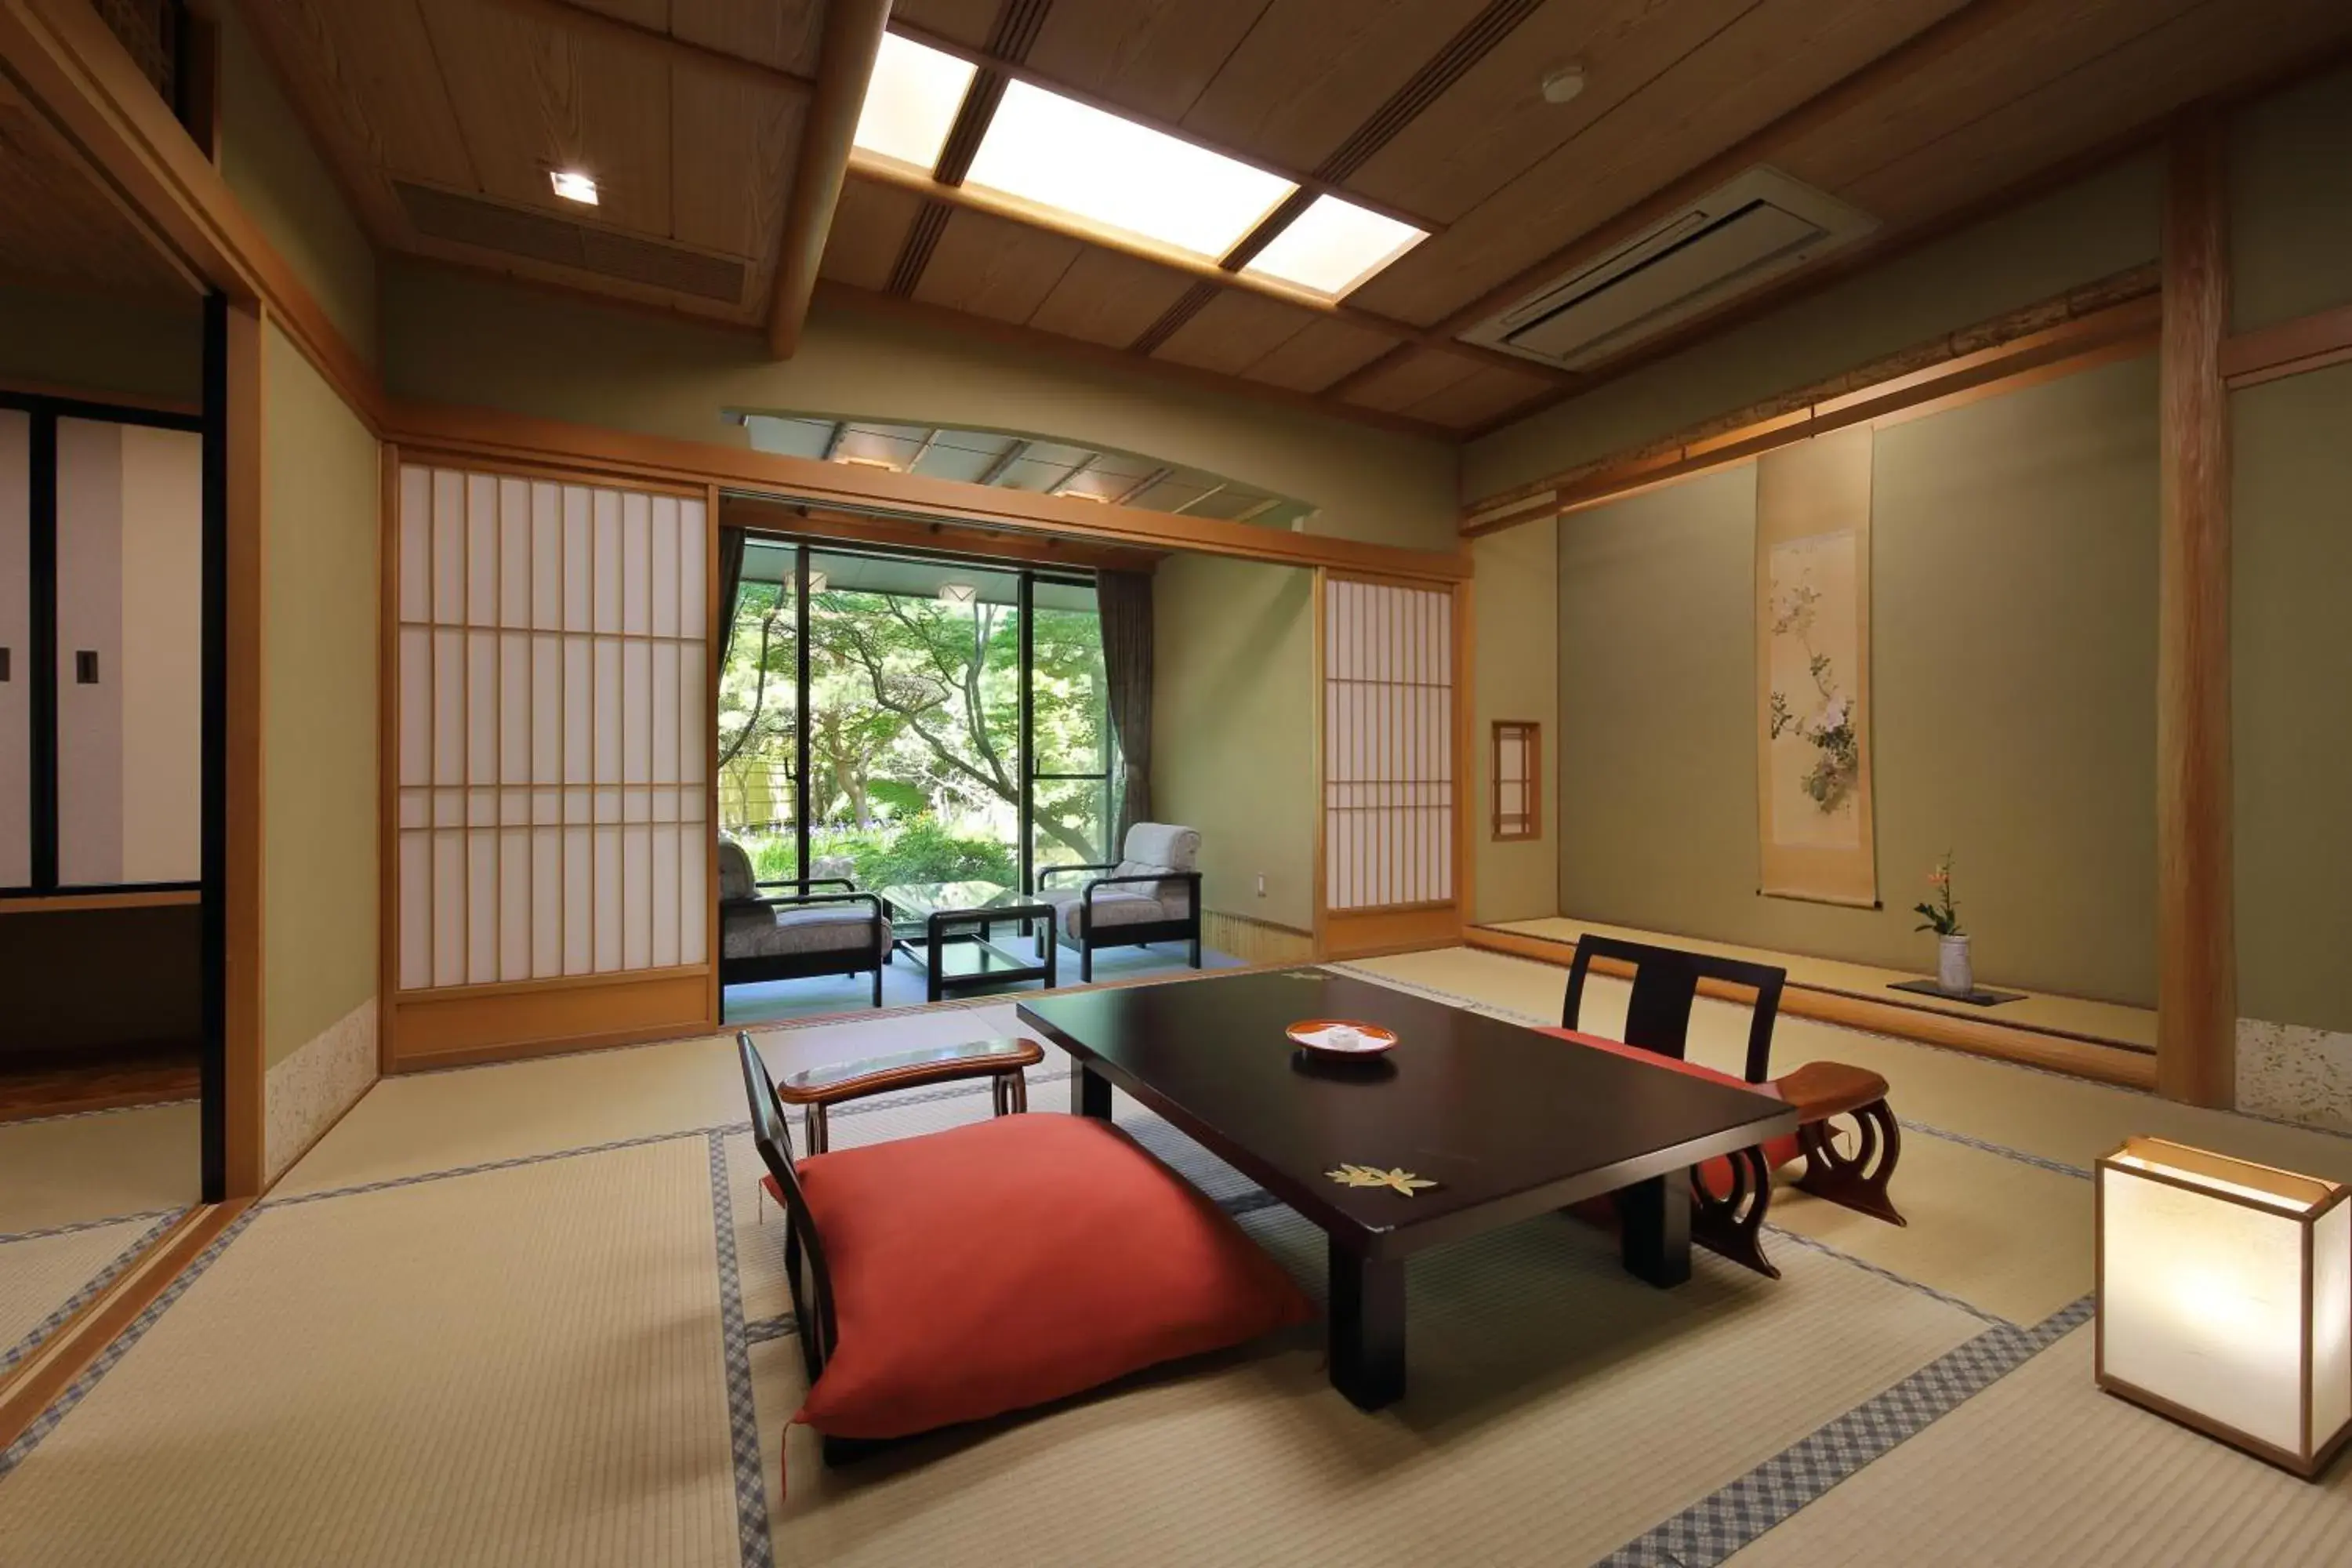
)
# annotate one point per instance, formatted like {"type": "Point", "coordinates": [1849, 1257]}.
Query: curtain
{"type": "Point", "coordinates": [730, 579]}
{"type": "Point", "coordinates": [1125, 600]}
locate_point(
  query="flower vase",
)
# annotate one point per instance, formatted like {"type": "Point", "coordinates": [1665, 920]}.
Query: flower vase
{"type": "Point", "coordinates": [1955, 973]}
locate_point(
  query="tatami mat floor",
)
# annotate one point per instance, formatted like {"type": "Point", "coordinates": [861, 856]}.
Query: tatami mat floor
{"type": "Point", "coordinates": [535, 1313]}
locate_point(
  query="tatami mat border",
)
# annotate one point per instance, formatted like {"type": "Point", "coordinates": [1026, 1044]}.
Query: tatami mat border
{"type": "Point", "coordinates": [79, 1390]}
{"type": "Point", "coordinates": [742, 1410]}
{"type": "Point", "coordinates": [1711, 1530]}
{"type": "Point", "coordinates": [89, 1292]}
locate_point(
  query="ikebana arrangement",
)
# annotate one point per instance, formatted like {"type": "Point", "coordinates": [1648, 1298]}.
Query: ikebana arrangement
{"type": "Point", "coordinates": [1955, 968]}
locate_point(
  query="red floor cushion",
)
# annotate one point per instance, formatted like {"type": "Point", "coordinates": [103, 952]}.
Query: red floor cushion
{"type": "Point", "coordinates": [1015, 1261]}
{"type": "Point", "coordinates": [1716, 1172]}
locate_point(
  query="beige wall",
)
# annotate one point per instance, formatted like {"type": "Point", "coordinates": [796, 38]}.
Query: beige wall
{"type": "Point", "coordinates": [1515, 665]}
{"type": "Point", "coordinates": [2291, 203]}
{"type": "Point", "coordinates": [2103, 225]}
{"type": "Point", "coordinates": [2013, 678]}
{"type": "Point", "coordinates": [101, 345]}
{"type": "Point", "coordinates": [2291, 244]}
{"type": "Point", "coordinates": [284, 185]}
{"type": "Point", "coordinates": [2293, 686]}
{"type": "Point", "coordinates": [320, 552]}
{"type": "Point", "coordinates": [451, 337]}
{"type": "Point", "coordinates": [1232, 729]}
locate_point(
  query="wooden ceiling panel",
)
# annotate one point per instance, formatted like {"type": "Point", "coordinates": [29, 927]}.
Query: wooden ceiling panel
{"type": "Point", "coordinates": [1233, 332]}
{"type": "Point", "coordinates": [780, 33]}
{"type": "Point", "coordinates": [968, 22]}
{"type": "Point", "coordinates": [989, 266]}
{"type": "Point", "coordinates": [1310, 72]}
{"type": "Point", "coordinates": [869, 229]}
{"type": "Point", "coordinates": [530, 97]}
{"type": "Point", "coordinates": [1313, 359]}
{"type": "Point", "coordinates": [1109, 297]}
{"type": "Point", "coordinates": [1411, 379]}
{"type": "Point", "coordinates": [732, 154]}
{"type": "Point", "coordinates": [57, 223]}
{"type": "Point", "coordinates": [1494, 124]}
{"type": "Point", "coordinates": [2218, 46]}
{"type": "Point", "coordinates": [1485, 392]}
{"type": "Point", "coordinates": [1153, 57]}
{"type": "Point", "coordinates": [1776, 57]}
{"type": "Point", "coordinates": [2027, 52]}
{"type": "Point", "coordinates": [364, 78]}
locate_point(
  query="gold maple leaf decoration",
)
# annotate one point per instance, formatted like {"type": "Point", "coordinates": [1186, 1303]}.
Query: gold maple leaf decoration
{"type": "Point", "coordinates": [1403, 1183]}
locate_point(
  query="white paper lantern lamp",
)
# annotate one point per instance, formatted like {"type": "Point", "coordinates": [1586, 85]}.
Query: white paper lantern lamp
{"type": "Point", "coordinates": [2225, 1298]}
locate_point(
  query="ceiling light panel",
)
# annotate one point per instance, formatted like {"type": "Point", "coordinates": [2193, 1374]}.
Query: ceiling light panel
{"type": "Point", "coordinates": [1333, 247]}
{"type": "Point", "coordinates": [1047, 149]}
{"type": "Point", "coordinates": [911, 101]}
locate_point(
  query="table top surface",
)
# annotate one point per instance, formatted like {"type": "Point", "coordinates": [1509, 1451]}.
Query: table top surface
{"type": "Point", "coordinates": [1507, 1121]}
{"type": "Point", "coordinates": [920, 900]}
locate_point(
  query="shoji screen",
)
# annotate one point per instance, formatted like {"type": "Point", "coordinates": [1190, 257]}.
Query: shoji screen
{"type": "Point", "coordinates": [130, 664]}
{"type": "Point", "coordinates": [1388, 746]}
{"type": "Point", "coordinates": [16, 649]}
{"type": "Point", "coordinates": [551, 730]}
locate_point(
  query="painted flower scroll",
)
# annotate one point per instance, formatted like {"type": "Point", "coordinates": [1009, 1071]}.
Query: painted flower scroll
{"type": "Point", "coordinates": [1822, 719]}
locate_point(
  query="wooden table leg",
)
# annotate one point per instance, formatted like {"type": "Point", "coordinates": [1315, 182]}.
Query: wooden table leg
{"type": "Point", "coordinates": [1089, 1093]}
{"type": "Point", "coordinates": [1367, 1328]}
{"type": "Point", "coordinates": [1656, 1221]}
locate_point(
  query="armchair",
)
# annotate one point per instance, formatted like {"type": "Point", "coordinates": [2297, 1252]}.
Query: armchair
{"type": "Point", "coordinates": [1151, 894]}
{"type": "Point", "coordinates": [769, 935]}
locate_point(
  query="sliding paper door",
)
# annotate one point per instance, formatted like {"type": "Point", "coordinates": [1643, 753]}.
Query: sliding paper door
{"type": "Point", "coordinates": [1391, 748]}
{"type": "Point", "coordinates": [552, 728]}
{"type": "Point", "coordinates": [130, 695]}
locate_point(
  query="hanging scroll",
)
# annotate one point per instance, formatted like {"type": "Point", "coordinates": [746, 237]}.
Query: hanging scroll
{"type": "Point", "coordinates": [1812, 670]}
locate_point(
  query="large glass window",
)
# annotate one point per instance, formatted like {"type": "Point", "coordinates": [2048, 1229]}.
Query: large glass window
{"type": "Point", "coordinates": [957, 726]}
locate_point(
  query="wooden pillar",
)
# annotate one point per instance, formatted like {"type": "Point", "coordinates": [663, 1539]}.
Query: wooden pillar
{"type": "Point", "coordinates": [2197, 977]}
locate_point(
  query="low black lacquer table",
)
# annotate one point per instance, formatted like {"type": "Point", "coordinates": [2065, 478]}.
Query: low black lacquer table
{"type": "Point", "coordinates": [1507, 1122]}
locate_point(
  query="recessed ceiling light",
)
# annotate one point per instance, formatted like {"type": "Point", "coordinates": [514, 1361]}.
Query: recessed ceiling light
{"type": "Point", "coordinates": [911, 101]}
{"type": "Point", "coordinates": [1563, 84]}
{"type": "Point", "coordinates": [572, 185]}
{"type": "Point", "coordinates": [860, 460]}
{"type": "Point", "coordinates": [1057, 152]}
{"type": "Point", "coordinates": [1333, 247]}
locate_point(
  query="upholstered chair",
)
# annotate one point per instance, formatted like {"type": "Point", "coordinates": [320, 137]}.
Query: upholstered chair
{"type": "Point", "coordinates": [785, 930]}
{"type": "Point", "coordinates": [1151, 894]}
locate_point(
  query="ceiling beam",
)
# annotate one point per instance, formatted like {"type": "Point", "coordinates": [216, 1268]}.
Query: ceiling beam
{"type": "Point", "coordinates": [1080, 466]}
{"type": "Point", "coordinates": [571, 17]}
{"type": "Point", "coordinates": [832, 438]}
{"type": "Point", "coordinates": [1881, 75]}
{"type": "Point", "coordinates": [930, 439]}
{"type": "Point", "coordinates": [973, 198]}
{"type": "Point", "coordinates": [853, 36]}
{"type": "Point", "coordinates": [1009, 39]}
{"type": "Point", "coordinates": [1004, 461]}
{"type": "Point", "coordinates": [1018, 69]}
{"type": "Point", "coordinates": [1142, 485]}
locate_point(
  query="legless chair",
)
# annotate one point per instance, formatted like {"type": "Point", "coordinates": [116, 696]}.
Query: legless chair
{"type": "Point", "coordinates": [1730, 1196]}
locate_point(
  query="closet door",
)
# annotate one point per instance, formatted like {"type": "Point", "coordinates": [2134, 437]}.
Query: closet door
{"type": "Point", "coordinates": [16, 650]}
{"type": "Point", "coordinates": [130, 700]}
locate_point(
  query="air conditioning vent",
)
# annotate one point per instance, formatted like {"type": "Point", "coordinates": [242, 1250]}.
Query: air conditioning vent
{"type": "Point", "coordinates": [1729, 242]}
{"type": "Point", "coordinates": [491, 226]}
